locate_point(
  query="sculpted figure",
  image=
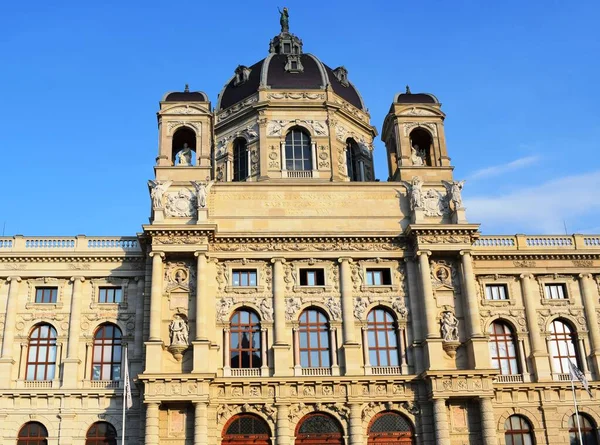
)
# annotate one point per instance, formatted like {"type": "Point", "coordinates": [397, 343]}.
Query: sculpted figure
{"type": "Point", "coordinates": [449, 327]}
{"type": "Point", "coordinates": [454, 189]}
{"type": "Point", "coordinates": [179, 331]}
{"type": "Point", "coordinates": [415, 191]}
{"type": "Point", "coordinates": [284, 20]}
{"type": "Point", "coordinates": [184, 156]}
{"type": "Point", "coordinates": [202, 189]}
{"type": "Point", "coordinates": [416, 156]}
{"type": "Point", "coordinates": [266, 309]}
{"type": "Point", "coordinates": [157, 190]}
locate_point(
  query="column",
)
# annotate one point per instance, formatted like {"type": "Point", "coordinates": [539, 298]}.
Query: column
{"type": "Point", "coordinates": [74, 321]}
{"type": "Point", "coordinates": [401, 335]}
{"type": "Point", "coordinates": [226, 346]}
{"type": "Point", "coordinates": [416, 324]}
{"type": "Point", "coordinates": [283, 160]}
{"type": "Point", "coordinates": [279, 300]}
{"type": "Point", "coordinates": [583, 355]}
{"type": "Point", "coordinates": [589, 293]}
{"type": "Point", "coordinates": [296, 347]}
{"type": "Point", "coordinates": [346, 288]}
{"type": "Point", "coordinates": [334, 351]}
{"type": "Point", "coordinates": [200, 423]}
{"type": "Point", "coordinates": [523, 360]}
{"type": "Point", "coordinates": [11, 319]}
{"type": "Point", "coordinates": [201, 297]}
{"type": "Point", "coordinates": [283, 425]}
{"type": "Point", "coordinates": [488, 422]}
{"type": "Point", "coordinates": [472, 306]}
{"type": "Point", "coordinates": [431, 329]}
{"type": "Point", "coordinates": [356, 429]}
{"type": "Point", "coordinates": [155, 295]}
{"type": "Point", "coordinates": [365, 339]}
{"type": "Point", "coordinates": [440, 419]}
{"type": "Point", "coordinates": [151, 424]}
{"type": "Point", "coordinates": [139, 319]}
{"type": "Point", "coordinates": [539, 350]}
{"type": "Point", "coordinates": [263, 353]}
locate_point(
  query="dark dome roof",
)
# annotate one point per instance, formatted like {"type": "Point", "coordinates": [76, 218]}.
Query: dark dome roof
{"type": "Point", "coordinates": [271, 72]}
{"type": "Point", "coordinates": [186, 96]}
{"type": "Point", "coordinates": [417, 98]}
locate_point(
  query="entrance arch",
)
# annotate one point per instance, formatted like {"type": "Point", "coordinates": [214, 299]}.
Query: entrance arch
{"type": "Point", "coordinates": [319, 429]}
{"type": "Point", "coordinates": [390, 428]}
{"type": "Point", "coordinates": [246, 429]}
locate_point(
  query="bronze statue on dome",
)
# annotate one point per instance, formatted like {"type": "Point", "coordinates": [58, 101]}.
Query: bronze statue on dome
{"type": "Point", "coordinates": [284, 19]}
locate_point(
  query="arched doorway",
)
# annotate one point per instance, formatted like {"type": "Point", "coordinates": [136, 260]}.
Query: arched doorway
{"type": "Point", "coordinates": [246, 429]}
{"type": "Point", "coordinates": [319, 429]}
{"type": "Point", "coordinates": [389, 428]}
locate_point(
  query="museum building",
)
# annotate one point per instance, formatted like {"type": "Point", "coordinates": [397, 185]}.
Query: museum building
{"type": "Point", "coordinates": [280, 295]}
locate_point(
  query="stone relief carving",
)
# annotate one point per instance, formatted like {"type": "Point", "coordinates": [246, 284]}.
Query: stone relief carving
{"type": "Point", "coordinates": [335, 246]}
{"type": "Point", "coordinates": [180, 204]}
{"type": "Point", "coordinates": [341, 159]}
{"type": "Point", "coordinates": [449, 326]}
{"type": "Point", "coordinates": [183, 110]}
{"type": "Point", "coordinates": [295, 96]}
{"type": "Point", "coordinates": [400, 308]}
{"type": "Point", "coordinates": [335, 309]}
{"type": "Point", "coordinates": [434, 204]}
{"type": "Point", "coordinates": [429, 125]}
{"type": "Point", "coordinates": [289, 276]}
{"type": "Point", "coordinates": [222, 276]}
{"type": "Point", "coordinates": [360, 307]}
{"type": "Point", "coordinates": [323, 156]}
{"type": "Point", "coordinates": [157, 191]}
{"type": "Point", "coordinates": [273, 157]}
{"type": "Point", "coordinates": [202, 189]}
{"type": "Point", "coordinates": [444, 239]}
{"type": "Point", "coordinates": [175, 239]}
{"type": "Point", "coordinates": [444, 274]}
{"type": "Point", "coordinates": [454, 193]}
{"type": "Point", "coordinates": [266, 309]}
{"type": "Point", "coordinates": [179, 274]}
{"type": "Point", "coordinates": [228, 112]}
{"type": "Point", "coordinates": [254, 158]}
{"type": "Point", "coordinates": [414, 111]}
{"type": "Point", "coordinates": [224, 306]}
{"type": "Point", "coordinates": [179, 331]}
{"type": "Point", "coordinates": [275, 127]}
{"type": "Point", "coordinates": [357, 276]}
{"type": "Point", "coordinates": [292, 306]}
{"type": "Point", "coordinates": [172, 125]}
{"type": "Point", "coordinates": [583, 263]}
{"type": "Point", "coordinates": [524, 263]}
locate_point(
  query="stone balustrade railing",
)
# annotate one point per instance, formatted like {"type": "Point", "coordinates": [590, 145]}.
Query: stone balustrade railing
{"type": "Point", "coordinates": [76, 244]}
{"type": "Point", "coordinates": [534, 242]}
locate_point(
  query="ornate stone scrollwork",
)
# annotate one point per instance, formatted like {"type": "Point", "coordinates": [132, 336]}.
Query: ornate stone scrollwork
{"type": "Point", "coordinates": [292, 306]}
{"type": "Point", "coordinates": [360, 307]}
{"type": "Point", "coordinates": [224, 306]}
{"type": "Point", "coordinates": [180, 204]}
{"type": "Point", "coordinates": [335, 309]}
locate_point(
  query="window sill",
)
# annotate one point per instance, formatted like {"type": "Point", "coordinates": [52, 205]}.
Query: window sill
{"type": "Point", "coordinates": [37, 384]}
{"type": "Point", "coordinates": [318, 289]}
{"type": "Point", "coordinates": [44, 306]}
{"type": "Point", "coordinates": [102, 384]}
{"type": "Point", "coordinates": [557, 301]}
{"type": "Point", "coordinates": [379, 288]}
{"type": "Point", "coordinates": [243, 289]}
{"type": "Point", "coordinates": [114, 306]}
{"type": "Point", "coordinates": [504, 302]}
{"type": "Point", "coordinates": [510, 378]}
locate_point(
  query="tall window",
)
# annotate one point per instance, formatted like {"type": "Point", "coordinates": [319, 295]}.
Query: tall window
{"type": "Point", "coordinates": [503, 351]}
{"type": "Point", "coordinates": [495, 292]}
{"type": "Point", "coordinates": [356, 168]}
{"type": "Point", "coordinates": [240, 160]}
{"type": "Point", "coordinates": [379, 277]}
{"type": "Point", "coordinates": [41, 356]}
{"type": "Point", "coordinates": [33, 433]}
{"type": "Point", "coordinates": [297, 151]}
{"type": "Point", "coordinates": [517, 431]}
{"type": "Point", "coordinates": [46, 294]}
{"type": "Point", "coordinates": [383, 341]}
{"type": "Point", "coordinates": [588, 432]}
{"type": "Point", "coordinates": [313, 334]}
{"type": "Point", "coordinates": [562, 346]}
{"type": "Point", "coordinates": [110, 295]}
{"type": "Point", "coordinates": [106, 360]}
{"type": "Point", "coordinates": [245, 340]}
{"type": "Point", "coordinates": [101, 433]}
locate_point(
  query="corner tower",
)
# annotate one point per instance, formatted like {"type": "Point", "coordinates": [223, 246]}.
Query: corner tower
{"type": "Point", "coordinates": [291, 117]}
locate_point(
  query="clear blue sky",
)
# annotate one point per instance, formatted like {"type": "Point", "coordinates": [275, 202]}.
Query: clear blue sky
{"type": "Point", "coordinates": [81, 83]}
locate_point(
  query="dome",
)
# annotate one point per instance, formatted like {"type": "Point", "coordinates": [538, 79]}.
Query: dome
{"type": "Point", "coordinates": [287, 67]}
{"type": "Point", "coordinates": [416, 98]}
{"type": "Point", "coordinates": [185, 96]}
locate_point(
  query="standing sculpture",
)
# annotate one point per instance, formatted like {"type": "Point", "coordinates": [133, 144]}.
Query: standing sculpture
{"type": "Point", "coordinates": [449, 327]}
{"type": "Point", "coordinates": [454, 189]}
{"type": "Point", "coordinates": [184, 156]}
{"type": "Point", "coordinates": [179, 331]}
{"type": "Point", "coordinates": [284, 20]}
{"type": "Point", "coordinates": [157, 190]}
{"type": "Point", "coordinates": [415, 190]}
{"type": "Point", "coordinates": [202, 189]}
{"type": "Point", "coordinates": [417, 156]}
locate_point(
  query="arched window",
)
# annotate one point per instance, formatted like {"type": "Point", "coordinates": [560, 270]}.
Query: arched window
{"type": "Point", "coordinates": [246, 429]}
{"type": "Point", "coordinates": [313, 335]}
{"type": "Point", "coordinates": [106, 360]}
{"type": "Point", "coordinates": [240, 160]}
{"type": "Point", "coordinates": [421, 145]}
{"type": "Point", "coordinates": [503, 351]}
{"type": "Point", "coordinates": [588, 432]}
{"type": "Point", "coordinates": [33, 433]}
{"type": "Point", "coordinates": [390, 427]}
{"type": "Point", "coordinates": [517, 431]}
{"type": "Point", "coordinates": [355, 166]}
{"type": "Point", "coordinates": [383, 339]}
{"type": "Point", "coordinates": [184, 147]}
{"type": "Point", "coordinates": [562, 346]}
{"type": "Point", "coordinates": [101, 433]}
{"type": "Point", "coordinates": [298, 154]}
{"type": "Point", "coordinates": [41, 356]}
{"type": "Point", "coordinates": [319, 428]}
{"type": "Point", "coordinates": [244, 340]}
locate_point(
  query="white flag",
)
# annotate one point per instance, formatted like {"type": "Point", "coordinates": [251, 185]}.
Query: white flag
{"type": "Point", "coordinates": [576, 374]}
{"type": "Point", "coordinates": [127, 392]}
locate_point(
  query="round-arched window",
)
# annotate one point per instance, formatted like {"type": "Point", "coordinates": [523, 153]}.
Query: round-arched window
{"type": "Point", "coordinates": [41, 355]}
{"type": "Point", "coordinates": [240, 160]}
{"type": "Point", "coordinates": [244, 339]}
{"type": "Point", "coordinates": [317, 429]}
{"type": "Point", "coordinates": [503, 351]}
{"type": "Point", "coordinates": [383, 340]}
{"type": "Point", "coordinates": [390, 427]}
{"type": "Point", "coordinates": [562, 346]}
{"type": "Point", "coordinates": [106, 359]}
{"type": "Point", "coordinates": [33, 433]}
{"type": "Point", "coordinates": [517, 431]}
{"type": "Point", "coordinates": [101, 433]}
{"type": "Point", "coordinates": [246, 429]}
{"type": "Point", "coordinates": [588, 431]}
{"type": "Point", "coordinates": [313, 335]}
{"type": "Point", "coordinates": [297, 150]}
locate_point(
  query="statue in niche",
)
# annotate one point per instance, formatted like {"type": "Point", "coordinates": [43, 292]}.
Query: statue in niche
{"type": "Point", "coordinates": [179, 331]}
{"type": "Point", "coordinates": [202, 189]}
{"type": "Point", "coordinates": [449, 327]}
{"type": "Point", "coordinates": [266, 309]}
{"type": "Point", "coordinates": [454, 189]}
{"type": "Point", "coordinates": [184, 156]}
{"type": "Point", "coordinates": [415, 190]}
{"type": "Point", "coordinates": [157, 190]}
{"type": "Point", "coordinates": [284, 19]}
{"type": "Point", "coordinates": [417, 156]}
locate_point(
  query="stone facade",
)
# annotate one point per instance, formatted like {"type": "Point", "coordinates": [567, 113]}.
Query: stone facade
{"type": "Point", "coordinates": [287, 247]}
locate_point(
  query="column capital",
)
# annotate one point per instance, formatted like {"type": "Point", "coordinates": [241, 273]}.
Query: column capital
{"type": "Point", "coordinates": [586, 276]}
{"type": "Point", "coordinates": [17, 279]}
{"type": "Point", "coordinates": [423, 252]}
{"type": "Point", "coordinates": [152, 404]}
{"type": "Point", "coordinates": [198, 253]}
{"type": "Point", "coordinates": [156, 252]}
{"type": "Point", "coordinates": [138, 279]}
{"type": "Point", "coordinates": [345, 258]}
{"type": "Point", "coordinates": [80, 279]}
{"type": "Point", "coordinates": [227, 329]}
{"type": "Point", "coordinates": [278, 260]}
{"type": "Point", "coordinates": [465, 252]}
{"type": "Point", "coordinates": [526, 276]}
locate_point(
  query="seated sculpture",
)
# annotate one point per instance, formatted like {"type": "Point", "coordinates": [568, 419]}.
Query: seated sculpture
{"type": "Point", "coordinates": [184, 156]}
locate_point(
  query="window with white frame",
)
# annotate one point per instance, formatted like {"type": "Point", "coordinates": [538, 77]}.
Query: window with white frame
{"type": "Point", "coordinates": [555, 291]}
{"type": "Point", "coordinates": [110, 295]}
{"type": "Point", "coordinates": [312, 277]}
{"type": "Point", "coordinates": [243, 277]}
{"type": "Point", "coordinates": [496, 292]}
{"type": "Point", "coordinates": [46, 294]}
{"type": "Point", "coordinates": [378, 277]}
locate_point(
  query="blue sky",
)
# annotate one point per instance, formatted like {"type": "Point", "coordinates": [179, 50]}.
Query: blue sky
{"type": "Point", "coordinates": [81, 83]}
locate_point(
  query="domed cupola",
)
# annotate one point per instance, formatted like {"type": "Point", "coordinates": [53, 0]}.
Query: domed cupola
{"type": "Point", "coordinates": [290, 116]}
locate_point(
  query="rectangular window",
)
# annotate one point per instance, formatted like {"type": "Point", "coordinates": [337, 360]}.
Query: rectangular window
{"type": "Point", "coordinates": [244, 277]}
{"type": "Point", "coordinates": [312, 277]}
{"type": "Point", "coordinates": [379, 277]}
{"type": "Point", "coordinates": [555, 291]}
{"type": "Point", "coordinates": [46, 294]}
{"type": "Point", "coordinates": [110, 295]}
{"type": "Point", "coordinates": [496, 292]}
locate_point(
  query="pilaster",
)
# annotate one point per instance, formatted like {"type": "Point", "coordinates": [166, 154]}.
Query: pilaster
{"type": "Point", "coordinates": [154, 347]}
{"type": "Point", "coordinates": [356, 428]}
{"type": "Point", "coordinates": [350, 347]}
{"type": "Point", "coordinates": [8, 340]}
{"type": "Point", "coordinates": [434, 352]}
{"type": "Point", "coordinates": [281, 348]}
{"type": "Point", "coordinates": [589, 292]}
{"type": "Point", "coordinates": [72, 362]}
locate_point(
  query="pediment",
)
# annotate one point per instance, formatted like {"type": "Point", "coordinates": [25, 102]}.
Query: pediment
{"type": "Point", "coordinates": [420, 111]}
{"type": "Point", "coordinates": [183, 109]}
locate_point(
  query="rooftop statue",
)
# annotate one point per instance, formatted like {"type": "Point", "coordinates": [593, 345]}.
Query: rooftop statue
{"type": "Point", "coordinates": [284, 20]}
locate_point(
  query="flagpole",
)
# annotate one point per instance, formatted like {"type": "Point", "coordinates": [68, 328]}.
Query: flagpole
{"type": "Point", "coordinates": [576, 410]}
{"type": "Point", "coordinates": [125, 383]}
